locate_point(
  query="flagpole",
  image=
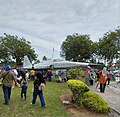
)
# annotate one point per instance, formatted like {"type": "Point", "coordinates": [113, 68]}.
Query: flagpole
{"type": "Point", "coordinates": [53, 53]}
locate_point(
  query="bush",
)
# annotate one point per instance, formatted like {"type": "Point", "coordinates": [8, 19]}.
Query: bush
{"type": "Point", "coordinates": [76, 73]}
{"type": "Point", "coordinates": [82, 95]}
{"type": "Point", "coordinates": [77, 86]}
{"type": "Point", "coordinates": [95, 103]}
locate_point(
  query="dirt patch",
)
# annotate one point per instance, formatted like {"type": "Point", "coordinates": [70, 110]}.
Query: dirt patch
{"type": "Point", "coordinates": [76, 111]}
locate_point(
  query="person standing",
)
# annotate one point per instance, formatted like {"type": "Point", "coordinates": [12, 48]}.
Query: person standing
{"type": "Point", "coordinates": [39, 79]}
{"type": "Point", "coordinates": [91, 77]}
{"type": "Point", "coordinates": [117, 79]}
{"type": "Point", "coordinates": [103, 77]}
{"type": "Point", "coordinates": [24, 90]}
{"type": "Point", "coordinates": [8, 79]}
{"type": "Point", "coordinates": [87, 75]}
{"type": "Point", "coordinates": [108, 77]}
{"type": "Point", "coordinates": [97, 78]}
{"type": "Point", "coordinates": [27, 75]}
{"type": "Point", "coordinates": [32, 74]}
{"type": "Point", "coordinates": [49, 74]}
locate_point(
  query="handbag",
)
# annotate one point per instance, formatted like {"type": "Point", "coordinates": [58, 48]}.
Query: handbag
{"type": "Point", "coordinates": [41, 87]}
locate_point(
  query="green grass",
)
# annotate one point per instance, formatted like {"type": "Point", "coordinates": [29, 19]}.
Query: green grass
{"type": "Point", "coordinates": [20, 108]}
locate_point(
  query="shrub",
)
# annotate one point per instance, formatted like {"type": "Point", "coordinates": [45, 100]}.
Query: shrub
{"type": "Point", "coordinates": [77, 86]}
{"type": "Point", "coordinates": [95, 103]}
{"type": "Point", "coordinates": [76, 73]}
{"type": "Point", "coordinates": [82, 95]}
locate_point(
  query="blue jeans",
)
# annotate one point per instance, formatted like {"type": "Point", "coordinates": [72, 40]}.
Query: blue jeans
{"type": "Point", "coordinates": [40, 94]}
{"type": "Point", "coordinates": [7, 93]}
{"type": "Point", "coordinates": [49, 77]}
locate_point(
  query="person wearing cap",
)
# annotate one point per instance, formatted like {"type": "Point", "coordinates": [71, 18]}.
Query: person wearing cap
{"type": "Point", "coordinates": [88, 69]}
{"type": "Point", "coordinates": [87, 75]}
{"type": "Point", "coordinates": [8, 79]}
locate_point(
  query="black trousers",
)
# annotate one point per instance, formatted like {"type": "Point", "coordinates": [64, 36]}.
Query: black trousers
{"type": "Point", "coordinates": [91, 82]}
{"type": "Point", "coordinates": [102, 87]}
{"type": "Point", "coordinates": [108, 81]}
{"type": "Point", "coordinates": [23, 94]}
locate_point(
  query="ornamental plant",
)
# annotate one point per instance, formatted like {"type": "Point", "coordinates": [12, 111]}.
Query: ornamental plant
{"type": "Point", "coordinates": [95, 103]}
{"type": "Point", "coordinates": [82, 95]}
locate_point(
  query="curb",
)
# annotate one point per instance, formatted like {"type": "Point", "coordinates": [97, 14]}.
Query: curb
{"type": "Point", "coordinates": [114, 112]}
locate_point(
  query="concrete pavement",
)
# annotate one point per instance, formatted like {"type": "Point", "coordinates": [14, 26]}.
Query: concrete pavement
{"type": "Point", "coordinates": [112, 96]}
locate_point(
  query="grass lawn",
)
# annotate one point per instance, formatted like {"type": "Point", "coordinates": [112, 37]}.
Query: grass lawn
{"type": "Point", "coordinates": [19, 108]}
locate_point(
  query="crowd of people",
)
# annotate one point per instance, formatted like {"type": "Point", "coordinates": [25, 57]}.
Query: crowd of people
{"type": "Point", "coordinates": [103, 77]}
{"type": "Point", "coordinates": [12, 77]}
{"type": "Point", "coordinates": [17, 77]}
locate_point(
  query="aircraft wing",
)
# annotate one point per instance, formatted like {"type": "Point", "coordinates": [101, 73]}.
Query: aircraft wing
{"type": "Point", "coordinates": [59, 65]}
{"type": "Point", "coordinates": [68, 64]}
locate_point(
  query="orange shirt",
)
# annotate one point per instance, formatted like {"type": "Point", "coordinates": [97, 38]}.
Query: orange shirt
{"type": "Point", "coordinates": [49, 71]}
{"type": "Point", "coordinates": [102, 78]}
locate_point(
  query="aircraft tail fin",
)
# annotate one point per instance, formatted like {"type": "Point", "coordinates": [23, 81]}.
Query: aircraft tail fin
{"type": "Point", "coordinates": [27, 63]}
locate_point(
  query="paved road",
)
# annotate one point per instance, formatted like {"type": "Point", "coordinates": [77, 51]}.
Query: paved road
{"type": "Point", "coordinates": [111, 95]}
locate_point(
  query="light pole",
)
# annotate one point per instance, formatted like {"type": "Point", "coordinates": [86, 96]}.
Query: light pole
{"type": "Point", "coordinates": [53, 53]}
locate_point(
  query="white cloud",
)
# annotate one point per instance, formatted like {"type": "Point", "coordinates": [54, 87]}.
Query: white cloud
{"type": "Point", "coordinates": [47, 23]}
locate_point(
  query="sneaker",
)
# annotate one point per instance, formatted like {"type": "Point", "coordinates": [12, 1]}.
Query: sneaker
{"type": "Point", "coordinates": [5, 103]}
{"type": "Point", "coordinates": [32, 104]}
{"type": "Point", "coordinates": [44, 106]}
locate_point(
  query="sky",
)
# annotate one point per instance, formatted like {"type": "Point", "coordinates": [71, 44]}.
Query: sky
{"type": "Point", "coordinates": [47, 23]}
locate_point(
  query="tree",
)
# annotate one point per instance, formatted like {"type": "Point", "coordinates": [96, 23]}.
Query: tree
{"type": "Point", "coordinates": [77, 48]}
{"type": "Point", "coordinates": [13, 48]}
{"type": "Point", "coordinates": [94, 54]}
{"type": "Point", "coordinates": [109, 46]}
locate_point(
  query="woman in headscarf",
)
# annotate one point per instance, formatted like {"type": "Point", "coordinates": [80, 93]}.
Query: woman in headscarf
{"type": "Point", "coordinates": [103, 77]}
